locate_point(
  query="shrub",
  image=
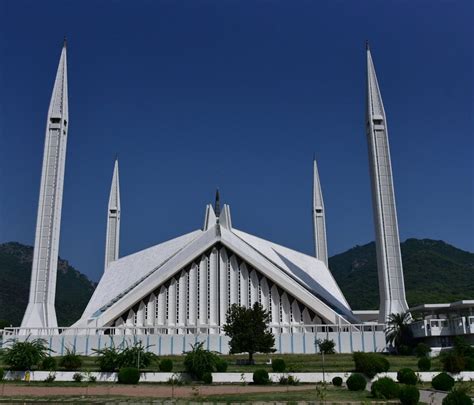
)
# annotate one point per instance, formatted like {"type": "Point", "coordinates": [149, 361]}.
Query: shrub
{"type": "Point", "coordinates": [137, 354]}
{"type": "Point", "coordinates": [356, 382]}
{"type": "Point", "coordinates": [457, 397]}
{"type": "Point", "coordinates": [221, 365]}
{"type": "Point", "coordinates": [50, 378]}
{"type": "Point", "coordinates": [337, 381]}
{"type": "Point", "coordinates": [199, 361]}
{"type": "Point", "coordinates": [260, 377]}
{"type": "Point", "coordinates": [469, 364]}
{"type": "Point", "coordinates": [25, 355]}
{"type": "Point", "coordinates": [293, 380]}
{"type": "Point", "coordinates": [422, 350]}
{"type": "Point", "coordinates": [77, 377]}
{"type": "Point", "coordinates": [424, 364]}
{"type": "Point", "coordinates": [166, 365]}
{"type": "Point", "coordinates": [326, 346]}
{"type": "Point", "coordinates": [370, 364]}
{"type": "Point", "coordinates": [128, 375]}
{"type": "Point", "coordinates": [71, 360]}
{"type": "Point", "coordinates": [278, 365]}
{"type": "Point", "coordinates": [207, 378]}
{"type": "Point", "coordinates": [108, 359]}
{"type": "Point", "coordinates": [92, 378]}
{"type": "Point", "coordinates": [452, 362]}
{"type": "Point", "coordinates": [49, 363]}
{"type": "Point", "coordinates": [2, 373]}
{"type": "Point", "coordinates": [385, 388]}
{"type": "Point", "coordinates": [442, 382]}
{"type": "Point", "coordinates": [409, 395]}
{"type": "Point", "coordinates": [407, 376]}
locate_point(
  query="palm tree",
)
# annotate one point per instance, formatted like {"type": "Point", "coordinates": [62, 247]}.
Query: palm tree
{"type": "Point", "coordinates": [398, 332]}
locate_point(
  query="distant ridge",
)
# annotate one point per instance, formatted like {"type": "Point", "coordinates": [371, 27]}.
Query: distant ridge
{"type": "Point", "coordinates": [434, 272]}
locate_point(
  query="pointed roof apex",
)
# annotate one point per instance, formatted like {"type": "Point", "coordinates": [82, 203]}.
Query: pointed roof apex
{"type": "Point", "coordinates": [367, 47]}
{"type": "Point", "coordinates": [65, 42]}
{"type": "Point", "coordinates": [217, 205]}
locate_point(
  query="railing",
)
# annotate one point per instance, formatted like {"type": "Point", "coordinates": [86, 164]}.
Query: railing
{"type": "Point", "coordinates": [188, 329]}
{"type": "Point", "coordinates": [443, 327]}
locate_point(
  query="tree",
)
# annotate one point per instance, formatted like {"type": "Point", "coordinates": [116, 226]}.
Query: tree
{"type": "Point", "coordinates": [398, 332]}
{"type": "Point", "coordinates": [247, 329]}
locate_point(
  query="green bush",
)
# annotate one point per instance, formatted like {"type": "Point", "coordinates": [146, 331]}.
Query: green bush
{"type": "Point", "coordinates": [469, 364]}
{"type": "Point", "coordinates": [221, 365]}
{"type": "Point", "coordinates": [50, 378]}
{"type": "Point", "coordinates": [207, 378]}
{"type": "Point", "coordinates": [128, 375]}
{"type": "Point", "coordinates": [166, 365]}
{"type": "Point", "coordinates": [2, 373]}
{"type": "Point", "coordinates": [260, 377]}
{"type": "Point", "coordinates": [407, 376]}
{"type": "Point", "coordinates": [77, 377]}
{"type": "Point", "coordinates": [356, 382]}
{"type": "Point", "coordinates": [278, 365]}
{"type": "Point", "coordinates": [131, 356]}
{"type": "Point", "coordinates": [452, 361]}
{"type": "Point", "coordinates": [108, 359]}
{"type": "Point", "coordinates": [370, 364]}
{"type": "Point", "coordinates": [326, 346]}
{"type": "Point", "coordinates": [424, 364]}
{"type": "Point", "coordinates": [337, 381]}
{"type": "Point", "coordinates": [49, 363]}
{"type": "Point", "coordinates": [422, 350]}
{"type": "Point", "coordinates": [442, 382]}
{"type": "Point", "coordinates": [199, 361]}
{"type": "Point", "coordinates": [25, 355]}
{"type": "Point", "coordinates": [385, 388]}
{"type": "Point", "coordinates": [71, 360]}
{"type": "Point", "coordinates": [457, 397]}
{"type": "Point", "coordinates": [409, 395]}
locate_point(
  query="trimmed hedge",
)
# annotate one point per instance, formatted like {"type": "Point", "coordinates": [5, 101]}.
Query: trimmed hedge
{"type": "Point", "coordinates": [128, 375]}
{"type": "Point", "coordinates": [442, 382]}
{"type": "Point", "coordinates": [422, 350]}
{"type": "Point", "coordinates": [356, 382]}
{"type": "Point", "coordinates": [260, 377]}
{"type": "Point", "coordinates": [166, 365]}
{"type": "Point", "coordinates": [278, 365]}
{"type": "Point", "coordinates": [409, 395]}
{"type": "Point", "coordinates": [385, 388]}
{"type": "Point", "coordinates": [370, 364]}
{"type": "Point", "coordinates": [207, 378]}
{"type": "Point", "coordinates": [407, 376]}
{"type": "Point", "coordinates": [457, 397]}
{"type": "Point", "coordinates": [424, 364]}
{"type": "Point", "coordinates": [221, 365]}
{"type": "Point", "coordinates": [337, 381]}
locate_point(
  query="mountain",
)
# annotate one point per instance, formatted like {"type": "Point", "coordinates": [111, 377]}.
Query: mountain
{"type": "Point", "coordinates": [434, 272]}
{"type": "Point", "coordinates": [72, 295]}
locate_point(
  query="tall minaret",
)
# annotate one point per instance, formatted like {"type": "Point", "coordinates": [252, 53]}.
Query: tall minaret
{"type": "Point", "coordinates": [319, 221]}
{"type": "Point", "coordinates": [40, 311]}
{"type": "Point", "coordinates": [113, 220]}
{"type": "Point", "coordinates": [387, 242]}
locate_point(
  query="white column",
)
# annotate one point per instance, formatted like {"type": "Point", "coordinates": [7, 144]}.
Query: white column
{"type": "Point", "coordinates": [150, 311]}
{"type": "Point", "coordinates": [223, 285]}
{"type": "Point", "coordinates": [172, 305]}
{"type": "Point", "coordinates": [265, 294]}
{"type": "Point", "coordinates": [285, 306]}
{"type": "Point", "coordinates": [182, 301]}
{"type": "Point", "coordinates": [253, 288]}
{"type": "Point", "coordinates": [275, 307]}
{"type": "Point", "coordinates": [162, 308]}
{"type": "Point", "coordinates": [193, 285]}
{"type": "Point", "coordinates": [234, 280]}
{"type": "Point", "coordinates": [244, 285]}
{"type": "Point", "coordinates": [213, 288]}
{"type": "Point", "coordinates": [203, 291]}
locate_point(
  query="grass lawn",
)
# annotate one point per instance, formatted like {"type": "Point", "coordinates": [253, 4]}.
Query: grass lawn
{"type": "Point", "coordinates": [294, 363]}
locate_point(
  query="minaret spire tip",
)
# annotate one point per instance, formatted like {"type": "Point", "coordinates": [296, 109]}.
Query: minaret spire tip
{"type": "Point", "coordinates": [65, 42]}
{"type": "Point", "coordinates": [217, 205]}
{"type": "Point", "coordinates": [367, 46]}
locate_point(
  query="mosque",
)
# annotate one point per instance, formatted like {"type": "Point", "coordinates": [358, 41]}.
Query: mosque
{"type": "Point", "coordinates": [179, 291]}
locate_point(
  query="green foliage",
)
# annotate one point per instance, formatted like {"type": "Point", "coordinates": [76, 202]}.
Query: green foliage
{"type": "Point", "coordinates": [71, 360]}
{"type": "Point", "coordinates": [424, 364]}
{"type": "Point", "coordinates": [450, 273]}
{"type": "Point", "coordinates": [50, 378]}
{"type": "Point", "coordinates": [25, 355]}
{"type": "Point", "coordinates": [452, 362]}
{"type": "Point", "coordinates": [469, 366]}
{"type": "Point", "coordinates": [442, 382]}
{"type": "Point", "coordinates": [260, 377]}
{"type": "Point", "coordinates": [78, 377]}
{"type": "Point", "coordinates": [326, 346]}
{"type": "Point", "coordinates": [166, 365]}
{"type": "Point", "coordinates": [207, 378]}
{"type": "Point", "coordinates": [4, 324]}
{"type": "Point", "coordinates": [407, 376]}
{"type": "Point", "coordinates": [278, 365]}
{"type": "Point", "coordinates": [457, 396]}
{"type": "Point", "coordinates": [247, 329]}
{"type": "Point", "coordinates": [221, 365]}
{"type": "Point", "coordinates": [337, 381]}
{"type": "Point", "coordinates": [2, 373]}
{"type": "Point", "coordinates": [49, 363]}
{"type": "Point", "coordinates": [370, 364]}
{"type": "Point", "coordinates": [290, 380]}
{"type": "Point", "coordinates": [356, 382]}
{"type": "Point", "coordinates": [398, 332]}
{"type": "Point", "coordinates": [128, 375]}
{"type": "Point", "coordinates": [409, 395]}
{"type": "Point", "coordinates": [422, 350]}
{"type": "Point", "coordinates": [72, 294]}
{"type": "Point", "coordinates": [385, 388]}
{"type": "Point", "coordinates": [199, 361]}
{"type": "Point", "coordinates": [110, 358]}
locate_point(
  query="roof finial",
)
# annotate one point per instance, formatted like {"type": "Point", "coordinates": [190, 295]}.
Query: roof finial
{"type": "Point", "coordinates": [217, 205]}
{"type": "Point", "coordinates": [65, 42]}
{"type": "Point", "coordinates": [367, 47]}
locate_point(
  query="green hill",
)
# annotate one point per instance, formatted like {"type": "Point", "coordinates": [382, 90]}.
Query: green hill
{"type": "Point", "coordinates": [434, 272]}
{"type": "Point", "coordinates": [72, 295]}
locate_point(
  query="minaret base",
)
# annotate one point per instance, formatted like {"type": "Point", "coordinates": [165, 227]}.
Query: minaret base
{"type": "Point", "coordinates": [39, 316]}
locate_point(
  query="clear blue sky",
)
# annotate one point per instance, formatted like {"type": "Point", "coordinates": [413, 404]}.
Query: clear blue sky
{"type": "Point", "coordinates": [237, 94]}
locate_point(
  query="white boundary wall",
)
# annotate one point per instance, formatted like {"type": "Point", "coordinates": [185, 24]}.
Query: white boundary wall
{"type": "Point", "coordinates": [175, 344]}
